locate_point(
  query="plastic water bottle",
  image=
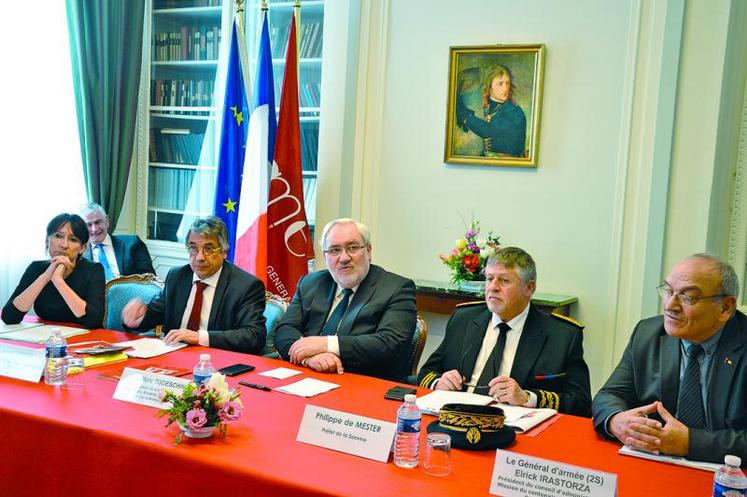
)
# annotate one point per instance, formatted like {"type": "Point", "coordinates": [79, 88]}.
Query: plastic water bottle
{"type": "Point", "coordinates": [729, 481]}
{"type": "Point", "coordinates": [407, 439]}
{"type": "Point", "coordinates": [203, 370]}
{"type": "Point", "coordinates": [55, 371]}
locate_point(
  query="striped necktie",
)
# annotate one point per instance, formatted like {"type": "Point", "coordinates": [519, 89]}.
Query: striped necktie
{"type": "Point", "coordinates": [690, 403]}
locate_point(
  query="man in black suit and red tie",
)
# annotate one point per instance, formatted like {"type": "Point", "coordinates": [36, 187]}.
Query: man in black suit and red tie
{"type": "Point", "coordinates": [120, 255]}
{"type": "Point", "coordinates": [208, 302]}
{"type": "Point", "coordinates": [355, 316]}
{"type": "Point", "coordinates": [510, 350]}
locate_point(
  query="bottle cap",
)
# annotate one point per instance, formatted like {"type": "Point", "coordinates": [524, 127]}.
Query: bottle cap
{"type": "Point", "coordinates": [204, 357]}
{"type": "Point", "coordinates": [735, 461]}
{"type": "Point", "coordinates": [410, 397]}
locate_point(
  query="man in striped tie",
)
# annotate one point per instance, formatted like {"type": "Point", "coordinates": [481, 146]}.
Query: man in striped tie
{"type": "Point", "coordinates": [681, 385]}
{"type": "Point", "coordinates": [355, 316]}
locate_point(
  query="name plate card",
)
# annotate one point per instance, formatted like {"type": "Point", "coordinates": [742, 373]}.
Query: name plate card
{"type": "Point", "coordinates": [23, 363]}
{"type": "Point", "coordinates": [141, 387]}
{"type": "Point", "coordinates": [349, 433]}
{"type": "Point", "coordinates": [519, 475]}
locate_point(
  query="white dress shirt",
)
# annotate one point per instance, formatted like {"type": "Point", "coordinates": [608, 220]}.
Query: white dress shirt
{"type": "Point", "coordinates": [208, 293]}
{"type": "Point", "coordinates": [509, 351]}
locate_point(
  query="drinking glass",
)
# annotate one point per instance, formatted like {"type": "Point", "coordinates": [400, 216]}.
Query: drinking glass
{"type": "Point", "coordinates": [437, 454]}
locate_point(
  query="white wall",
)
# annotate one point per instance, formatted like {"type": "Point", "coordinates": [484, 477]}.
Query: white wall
{"type": "Point", "coordinates": [599, 214]}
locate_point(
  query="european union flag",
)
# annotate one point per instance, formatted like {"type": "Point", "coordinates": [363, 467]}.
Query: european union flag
{"type": "Point", "coordinates": [232, 140]}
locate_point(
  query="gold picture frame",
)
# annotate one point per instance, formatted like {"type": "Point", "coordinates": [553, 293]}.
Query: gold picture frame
{"type": "Point", "coordinates": [493, 105]}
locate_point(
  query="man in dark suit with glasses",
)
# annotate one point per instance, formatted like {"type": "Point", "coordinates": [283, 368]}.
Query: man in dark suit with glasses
{"type": "Point", "coordinates": [681, 385]}
{"type": "Point", "coordinates": [208, 302]}
{"type": "Point", "coordinates": [353, 316]}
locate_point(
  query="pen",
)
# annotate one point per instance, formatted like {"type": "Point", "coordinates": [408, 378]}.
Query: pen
{"type": "Point", "coordinates": [549, 376]}
{"type": "Point", "coordinates": [255, 385]}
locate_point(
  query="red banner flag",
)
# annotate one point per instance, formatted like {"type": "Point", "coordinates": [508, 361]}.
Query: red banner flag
{"type": "Point", "coordinates": [289, 243]}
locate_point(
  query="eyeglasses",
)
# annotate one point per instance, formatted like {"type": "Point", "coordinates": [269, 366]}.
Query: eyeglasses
{"type": "Point", "coordinates": [666, 292]}
{"type": "Point", "coordinates": [350, 249]}
{"type": "Point", "coordinates": [207, 250]}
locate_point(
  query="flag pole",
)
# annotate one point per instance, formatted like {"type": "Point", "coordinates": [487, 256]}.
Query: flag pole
{"type": "Point", "coordinates": [297, 12]}
{"type": "Point", "coordinates": [239, 13]}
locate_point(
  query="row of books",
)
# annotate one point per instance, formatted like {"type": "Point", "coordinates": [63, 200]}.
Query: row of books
{"type": "Point", "coordinates": [179, 4]}
{"type": "Point", "coordinates": [182, 92]}
{"type": "Point", "coordinates": [190, 43]}
{"type": "Point", "coordinates": [175, 146]}
{"type": "Point", "coordinates": [309, 145]}
{"type": "Point", "coordinates": [169, 188]}
{"type": "Point", "coordinates": [310, 35]}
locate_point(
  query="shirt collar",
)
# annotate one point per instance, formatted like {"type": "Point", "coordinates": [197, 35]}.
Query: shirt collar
{"type": "Point", "coordinates": [709, 346]}
{"type": "Point", "coordinates": [107, 241]}
{"type": "Point", "coordinates": [516, 324]}
{"type": "Point", "coordinates": [338, 295]}
{"type": "Point", "coordinates": [211, 280]}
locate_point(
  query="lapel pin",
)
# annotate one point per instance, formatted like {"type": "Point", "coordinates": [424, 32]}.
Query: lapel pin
{"type": "Point", "coordinates": [727, 361]}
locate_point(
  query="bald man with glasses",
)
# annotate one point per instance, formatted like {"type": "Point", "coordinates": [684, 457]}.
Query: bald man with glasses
{"type": "Point", "coordinates": [681, 385]}
{"type": "Point", "coordinates": [353, 316]}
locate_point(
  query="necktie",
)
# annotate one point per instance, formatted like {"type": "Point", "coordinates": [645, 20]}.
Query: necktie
{"type": "Point", "coordinates": [104, 262]}
{"type": "Point", "coordinates": [194, 315]}
{"type": "Point", "coordinates": [690, 405]}
{"type": "Point", "coordinates": [493, 364]}
{"type": "Point", "coordinates": [334, 320]}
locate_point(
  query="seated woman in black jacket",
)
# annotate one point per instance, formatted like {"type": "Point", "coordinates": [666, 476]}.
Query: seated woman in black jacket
{"type": "Point", "coordinates": [66, 288]}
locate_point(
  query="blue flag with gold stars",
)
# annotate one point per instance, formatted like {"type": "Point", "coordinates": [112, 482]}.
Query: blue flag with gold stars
{"type": "Point", "coordinates": [232, 138]}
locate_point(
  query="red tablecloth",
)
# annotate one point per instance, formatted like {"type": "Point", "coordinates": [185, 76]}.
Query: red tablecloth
{"type": "Point", "coordinates": [82, 443]}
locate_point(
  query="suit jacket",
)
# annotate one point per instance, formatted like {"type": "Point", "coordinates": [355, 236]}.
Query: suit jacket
{"type": "Point", "coordinates": [236, 320]}
{"type": "Point", "coordinates": [547, 346]}
{"type": "Point", "coordinates": [649, 370]}
{"type": "Point", "coordinates": [131, 253]}
{"type": "Point", "coordinates": [376, 330]}
{"type": "Point", "coordinates": [86, 280]}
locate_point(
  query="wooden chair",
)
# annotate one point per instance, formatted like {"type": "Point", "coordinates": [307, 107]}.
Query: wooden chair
{"type": "Point", "coordinates": [121, 290]}
{"type": "Point", "coordinates": [275, 307]}
{"type": "Point", "coordinates": [417, 344]}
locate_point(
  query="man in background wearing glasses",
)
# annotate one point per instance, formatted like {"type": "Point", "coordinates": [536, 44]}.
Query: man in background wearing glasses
{"type": "Point", "coordinates": [354, 316]}
{"type": "Point", "coordinates": [209, 301]}
{"type": "Point", "coordinates": [681, 385]}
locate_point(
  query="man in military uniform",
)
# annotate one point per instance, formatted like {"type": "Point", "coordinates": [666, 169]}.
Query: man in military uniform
{"type": "Point", "coordinates": [508, 349]}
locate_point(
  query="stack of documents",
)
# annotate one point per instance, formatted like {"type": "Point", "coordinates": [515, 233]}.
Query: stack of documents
{"type": "Point", "coordinates": [36, 332]}
{"type": "Point", "coordinates": [520, 419]}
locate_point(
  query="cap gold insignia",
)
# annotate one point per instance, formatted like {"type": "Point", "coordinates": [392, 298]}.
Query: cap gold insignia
{"type": "Point", "coordinates": [473, 435]}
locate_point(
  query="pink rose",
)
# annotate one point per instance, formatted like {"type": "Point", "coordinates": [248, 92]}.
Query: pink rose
{"type": "Point", "coordinates": [231, 411]}
{"type": "Point", "coordinates": [196, 418]}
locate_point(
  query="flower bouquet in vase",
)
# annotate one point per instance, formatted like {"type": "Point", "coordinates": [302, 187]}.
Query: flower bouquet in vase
{"type": "Point", "coordinates": [200, 410]}
{"type": "Point", "coordinates": [468, 257]}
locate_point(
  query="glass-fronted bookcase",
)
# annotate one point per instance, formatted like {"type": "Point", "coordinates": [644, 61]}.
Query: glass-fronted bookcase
{"type": "Point", "coordinates": [188, 51]}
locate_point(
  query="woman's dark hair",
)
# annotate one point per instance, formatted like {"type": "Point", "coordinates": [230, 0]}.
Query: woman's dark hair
{"type": "Point", "coordinates": [77, 225]}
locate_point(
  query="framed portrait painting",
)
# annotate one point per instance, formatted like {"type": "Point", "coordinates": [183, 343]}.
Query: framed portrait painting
{"type": "Point", "coordinates": [493, 106]}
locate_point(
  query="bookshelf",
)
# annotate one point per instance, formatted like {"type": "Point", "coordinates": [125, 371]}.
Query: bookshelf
{"type": "Point", "coordinates": [310, 36]}
{"type": "Point", "coordinates": [185, 45]}
{"type": "Point", "coordinates": [186, 39]}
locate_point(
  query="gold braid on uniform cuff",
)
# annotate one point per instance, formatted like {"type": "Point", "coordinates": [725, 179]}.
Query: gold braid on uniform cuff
{"type": "Point", "coordinates": [549, 400]}
{"type": "Point", "coordinates": [428, 379]}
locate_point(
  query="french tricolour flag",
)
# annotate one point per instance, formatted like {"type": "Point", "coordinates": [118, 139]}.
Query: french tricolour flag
{"type": "Point", "coordinates": [251, 225]}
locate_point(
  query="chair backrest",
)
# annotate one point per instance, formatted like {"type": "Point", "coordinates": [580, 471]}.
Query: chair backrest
{"type": "Point", "coordinates": [418, 343]}
{"type": "Point", "coordinates": [275, 307]}
{"type": "Point", "coordinates": [121, 290]}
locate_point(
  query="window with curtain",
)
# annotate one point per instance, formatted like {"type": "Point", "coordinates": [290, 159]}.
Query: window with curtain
{"type": "Point", "coordinates": [41, 172]}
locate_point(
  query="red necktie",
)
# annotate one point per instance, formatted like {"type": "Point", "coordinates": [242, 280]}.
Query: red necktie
{"type": "Point", "coordinates": [194, 315]}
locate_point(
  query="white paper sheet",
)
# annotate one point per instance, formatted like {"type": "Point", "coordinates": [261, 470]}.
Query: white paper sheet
{"type": "Point", "coordinates": [519, 418]}
{"type": "Point", "coordinates": [40, 334]}
{"type": "Point", "coordinates": [308, 387]}
{"type": "Point", "coordinates": [150, 347]}
{"type": "Point", "coordinates": [280, 373]}
{"type": "Point", "coordinates": [6, 328]}
{"type": "Point", "coordinates": [679, 461]}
